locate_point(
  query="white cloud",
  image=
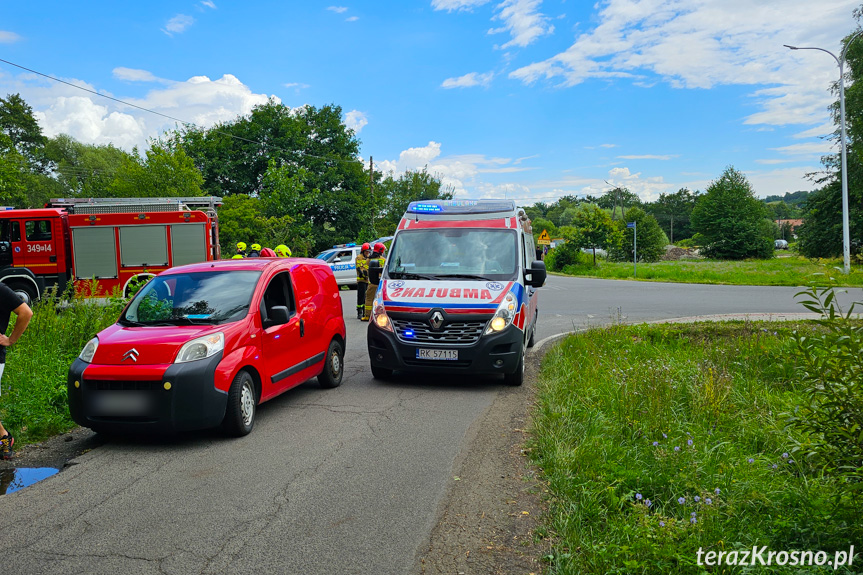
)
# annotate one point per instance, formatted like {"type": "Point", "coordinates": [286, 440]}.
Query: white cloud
{"type": "Point", "coordinates": [450, 5]}
{"type": "Point", "coordinates": [356, 120]}
{"type": "Point", "coordinates": [178, 24]}
{"type": "Point", "coordinates": [352, 19]}
{"type": "Point", "coordinates": [208, 4]}
{"type": "Point", "coordinates": [647, 157]}
{"type": "Point", "coordinates": [338, 9]}
{"type": "Point", "coordinates": [772, 162]}
{"type": "Point", "coordinates": [523, 21]}
{"type": "Point", "coordinates": [134, 75]}
{"type": "Point", "coordinates": [782, 181]}
{"type": "Point", "coordinates": [7, 37]}
{"type": "Point", "coordinates": [468, 80]}
{"type": "Point", "coordinates": [63, 109]}
{"type": "Point", "coordinates": [297, 86]}
{"type": "Point", "coordinates": [806, 148]}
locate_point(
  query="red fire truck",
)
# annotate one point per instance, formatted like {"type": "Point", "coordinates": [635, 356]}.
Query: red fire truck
{"type": "Point", "coordinates": [111, 240]}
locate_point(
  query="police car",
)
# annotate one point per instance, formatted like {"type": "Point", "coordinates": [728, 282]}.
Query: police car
{"type": "Point", "coordinates": [343, 261]}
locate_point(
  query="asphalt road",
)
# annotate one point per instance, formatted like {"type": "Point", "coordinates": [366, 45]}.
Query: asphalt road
{"type": "Point", "coordinates": [348, 480]}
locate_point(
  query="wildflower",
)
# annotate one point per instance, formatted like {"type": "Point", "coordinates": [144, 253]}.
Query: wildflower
{"type": "Point", "coordinates": [790, 461]}
{"type": "Point", "coordinates": [708, 501]}
{"type": "Point", "coordinates": [692, 514]}
{"type": "Point", "coordinates": [682, 500]}
{"type": "Point", "coordinates": [664, 436]}
{"type": "Point", "coordinates": [750, 460]}
{"type": "Point", "coordinates": [662, 523]}
{"type": "Point", "coordinates": [687, 433]}
{"type": "Point", "coordinates": [648, 503]}
{"type": "Point", "coordinates": [693, 520]}
{"type": "Point", "coordinates": [689, 442]}
{"type": "Point", "coordinates": [676, 448]}
{"type": "Point", "coordinates": [774, 466]}
{"type": "Point", "coordinates": [785, 455]}
{"type": "Point", "coordinates": [655, 443]}
{"type": "Point", "coordinates": [716, 491]}
{"type": "Point", "coordinates": [638, 496]}
{"type": "Point", "coordinates": [697, 499]}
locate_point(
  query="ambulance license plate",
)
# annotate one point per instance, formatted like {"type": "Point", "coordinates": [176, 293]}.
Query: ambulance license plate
{"type": "Point", "coordinates": [442, 354]}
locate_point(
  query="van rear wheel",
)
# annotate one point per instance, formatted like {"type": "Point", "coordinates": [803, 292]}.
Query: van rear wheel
{"type": "Point", "coordinates": [240, 413]}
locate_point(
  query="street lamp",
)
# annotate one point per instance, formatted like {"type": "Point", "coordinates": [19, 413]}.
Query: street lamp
{"type": "Point", "coordinates": [846, 244]}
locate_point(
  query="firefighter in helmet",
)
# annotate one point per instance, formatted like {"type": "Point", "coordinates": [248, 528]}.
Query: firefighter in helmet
{"type": "Point", "coordinates": [362, 277]}
{"type": "Point", "coordinates": [283, 251]}
{"type": "Point", "coordinates": [377, 255]}
{"type": "Point", "coordinates": [241, 250]}
{"type": "Point", "coordinates": [255, 251]}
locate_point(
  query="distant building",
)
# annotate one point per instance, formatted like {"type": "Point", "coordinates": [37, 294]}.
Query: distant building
{"type": "Point", "coordinates": [793, 223]}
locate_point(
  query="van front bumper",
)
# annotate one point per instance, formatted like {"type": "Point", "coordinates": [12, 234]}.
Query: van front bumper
{"type": "Point", "coordinates": [491, 354]}
{"type": "Point", "coordinates": [160, 399]}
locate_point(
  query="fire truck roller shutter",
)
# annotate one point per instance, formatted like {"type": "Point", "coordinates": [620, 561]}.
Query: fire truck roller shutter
{"type": "Point", "coordinates": [23, 282]}
{"type": "Point", "coordinates": [143, 246]}
{"type": "Point", "coordinates": [95, 252]}
{"type": "Point", "coordinates": [188, 244]}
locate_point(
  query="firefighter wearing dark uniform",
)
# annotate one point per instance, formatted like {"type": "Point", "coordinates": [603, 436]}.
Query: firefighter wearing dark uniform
{"type": "Point", "coordinates": [255, 251]}
{"type": "Point", "coordinates": [377, 254]}
{"type": "Point", "coordinates": [362, 277]}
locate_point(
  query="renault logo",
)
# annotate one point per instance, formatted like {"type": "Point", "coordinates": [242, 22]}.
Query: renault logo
{"type": "Point", "coordinates": [436, 320]}
{"type": "Point", "coordinates": [131, 354]}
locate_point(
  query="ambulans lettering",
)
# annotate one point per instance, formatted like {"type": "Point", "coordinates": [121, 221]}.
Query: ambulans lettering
{"type": "Point", "coordinates": [439, 293]}
{"type": "Point", "coordinates": [471, 293]}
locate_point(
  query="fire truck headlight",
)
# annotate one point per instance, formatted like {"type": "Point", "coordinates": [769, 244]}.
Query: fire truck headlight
{"type": "Point", "coordinates": [201, 348]}
{"type": "Point", "coordinates": [504, 315]}
{"type": "Point", "coordinates": [89, 350]}
{"type": "Point", "coordinates": [380, 317]}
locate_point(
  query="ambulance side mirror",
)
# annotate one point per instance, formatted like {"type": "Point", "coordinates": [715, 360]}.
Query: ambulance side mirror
{"type": "Point", "coordinates": [535, 276]}
{"type": "Point", "coordinates": [375, 271]}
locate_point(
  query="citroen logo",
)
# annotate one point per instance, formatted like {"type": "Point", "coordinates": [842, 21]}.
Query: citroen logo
{"type": "Point", "coordinates": [131, 354]}
{"type": "Point", "coordinates": [436, 320]}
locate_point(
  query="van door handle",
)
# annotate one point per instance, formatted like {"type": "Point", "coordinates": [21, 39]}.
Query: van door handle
{"type": "Point", "coordinates": [52, 259]}
{"type": "Point", "coordinates": [302, 328]}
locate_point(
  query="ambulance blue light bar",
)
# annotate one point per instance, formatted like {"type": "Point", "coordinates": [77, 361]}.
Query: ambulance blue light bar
{"type": "Point", "coordinates": [461, 206]}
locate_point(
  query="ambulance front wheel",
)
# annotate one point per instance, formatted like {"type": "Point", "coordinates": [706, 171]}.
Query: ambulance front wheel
{"type": "Point", "coordinates": [516, 378]}
{"type": "Point", "coordinates": [26, 292]}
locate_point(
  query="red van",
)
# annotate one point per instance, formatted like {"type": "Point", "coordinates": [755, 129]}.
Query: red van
{"type": "Point", "coordinates": [201, 345]}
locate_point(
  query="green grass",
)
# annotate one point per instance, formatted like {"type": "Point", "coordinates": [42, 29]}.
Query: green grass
{"type": "Point", "coordinates": [784, 271]}
{"type": "Point", "coordinates": [616, 411]}
{"type": "Point", "coordinates": [33, 404]}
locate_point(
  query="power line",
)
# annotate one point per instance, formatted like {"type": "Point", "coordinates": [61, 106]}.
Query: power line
{"type": "Point", "coordinates": [183, 122]}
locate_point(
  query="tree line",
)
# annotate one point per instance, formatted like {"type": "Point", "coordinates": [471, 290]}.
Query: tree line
{"type": "Point", "coordinates": [285, 176]}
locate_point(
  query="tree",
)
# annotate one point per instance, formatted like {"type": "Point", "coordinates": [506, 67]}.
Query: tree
{"type": "Point", "coordinates": [569, 252]}
{"type": "Point", "coordinates": [596, 229]}
{"type": "Point", "coordinates": [83, 170]}
{"type": "Point", "coordinates": [730, 222]}
{"type": "Point", "coordinates": [18, 122]}
{"type": "Point", "coordinates": [243, 219]}
{"type": "Point", "coordinates": [164, 171]}
{"type": "Point", "coordinates": [650, 237]}
{"type": "Point", "coordinates": [12, 174]}
{"type": "Point", "coordinates": [392, 196]}
{"type": "Point", "coordinates": [673, 212]}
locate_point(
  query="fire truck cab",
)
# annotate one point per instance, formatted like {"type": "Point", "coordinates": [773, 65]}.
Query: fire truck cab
{"type": "Point", "coordinates": [114, 241]}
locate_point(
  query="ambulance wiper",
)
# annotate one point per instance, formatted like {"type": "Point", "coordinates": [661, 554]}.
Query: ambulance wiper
{"type": "Point", "coordinates": [462, 276]}
{"type": "Point", "coordinates": [410, 276]}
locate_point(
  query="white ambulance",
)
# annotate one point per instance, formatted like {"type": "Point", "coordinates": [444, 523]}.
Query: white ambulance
{"type": "Point", "coordinates": [458, 292]}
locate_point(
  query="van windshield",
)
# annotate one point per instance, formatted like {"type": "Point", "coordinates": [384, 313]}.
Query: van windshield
{"type": "Point", "coordinates": [454, 253]}
{"type": "Point", "coordinates": [192, 298]}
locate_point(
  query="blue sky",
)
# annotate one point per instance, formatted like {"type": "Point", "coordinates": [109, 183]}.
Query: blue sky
{"type": "Point", "coordinates": [526, 99]}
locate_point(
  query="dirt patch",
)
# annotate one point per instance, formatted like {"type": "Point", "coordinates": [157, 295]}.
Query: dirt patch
{"type": "Point", "coordinates": [488, 518]}
{"type": "Point", "coordinates": [55, 452]}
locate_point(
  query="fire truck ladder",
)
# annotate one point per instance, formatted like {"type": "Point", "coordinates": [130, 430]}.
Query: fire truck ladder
{"type": "Point", "coordinates": [134, 205]}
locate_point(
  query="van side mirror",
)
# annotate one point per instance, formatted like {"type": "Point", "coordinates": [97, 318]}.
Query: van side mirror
{"type": "Point", "coordinates": [375, 271]}
{"type": "Point", "coordinates": [535, 276]}
{"type": "Point", "coordinates": [278, 315]}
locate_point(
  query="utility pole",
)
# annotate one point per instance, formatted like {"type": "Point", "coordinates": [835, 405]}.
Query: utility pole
{"type": "Point", "coordinates": [372, 194]}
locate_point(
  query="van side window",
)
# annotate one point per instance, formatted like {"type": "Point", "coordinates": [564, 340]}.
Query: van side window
{"type": "Point", "coordinates": [279, 293]}
{"type": "Point", "coordinates": [37, 230]}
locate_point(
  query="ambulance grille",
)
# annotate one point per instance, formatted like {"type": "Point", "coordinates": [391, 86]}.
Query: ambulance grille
{"type": "Point", "coordinates": [457, 332]}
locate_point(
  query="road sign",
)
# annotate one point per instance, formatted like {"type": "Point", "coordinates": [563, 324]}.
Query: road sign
{"type": "Point", "coordinates": [544, 239]}
{"type": "Point", "coordinates": [630, 224]}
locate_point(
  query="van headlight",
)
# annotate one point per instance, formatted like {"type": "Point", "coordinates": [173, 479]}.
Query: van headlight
{"type": "Point", "coordinates": [201, 348]}
{"type": "Point", "coordinates": [503, 316]}
{"type": "Point", "coordinates": [89, 350]}
{"type": "Point", "coordinates": [379, 315]}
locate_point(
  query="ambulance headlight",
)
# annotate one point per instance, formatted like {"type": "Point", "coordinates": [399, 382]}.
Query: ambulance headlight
{"type": "Point", "coordinates": [201, 348]}
{"type": "Point", "coordinates": [504, 315]}
{"type": "Point", "coordinates": [89, 350]}
{"type": "Point", "coordinates": [379, 315]}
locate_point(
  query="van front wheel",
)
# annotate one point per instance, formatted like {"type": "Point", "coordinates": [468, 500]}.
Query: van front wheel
{"type": "Point", "coordinates": [240, 414]}
{"type": "Point", "coordinates": [333, 366]}
{"type": "Point", "coordinates": [516, 378]}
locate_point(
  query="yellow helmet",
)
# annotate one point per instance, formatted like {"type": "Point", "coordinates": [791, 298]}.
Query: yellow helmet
{"type": "Point", "coordinates": [283, 251]}
{"type": "Point", "coordinates": [256, 247]}
{"type": "Point", "coordinates": [241, 246]}
{"type": "Point", "coordinates": [237, 257]}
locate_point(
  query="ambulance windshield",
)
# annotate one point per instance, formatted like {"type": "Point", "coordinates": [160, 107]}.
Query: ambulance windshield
{"type": "Point", "coordinates": [450, 253]}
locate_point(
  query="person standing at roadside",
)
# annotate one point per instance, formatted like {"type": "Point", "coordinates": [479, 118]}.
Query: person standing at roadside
{"type": "Point", "coordinates": [362, 277]}
{"type": "Point", "coordinates": [377, 254]}
{"type": "Point", "coordinates": [10, 302]}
